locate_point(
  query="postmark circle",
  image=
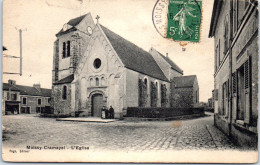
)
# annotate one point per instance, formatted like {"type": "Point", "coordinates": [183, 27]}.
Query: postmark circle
{"type": "Point", "coordinates": [159, 17]}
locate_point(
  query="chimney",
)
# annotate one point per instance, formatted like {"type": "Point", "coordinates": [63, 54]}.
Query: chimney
{"type": "Point", "coordinates": [37, 86]}
{"type": "Point", "coordinates": [167, 55]}
{"type": "Point", "coordinates": [11, 82]}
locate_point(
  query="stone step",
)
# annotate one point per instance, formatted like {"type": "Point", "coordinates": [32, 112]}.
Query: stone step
{"type": "Point", "coordinates": [87, 119]}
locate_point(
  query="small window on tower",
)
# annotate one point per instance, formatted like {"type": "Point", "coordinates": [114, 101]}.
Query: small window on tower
{"type": "Point", "coordinates": [64, 50]}
{"type": "Point", "coordinates": [68, 49]}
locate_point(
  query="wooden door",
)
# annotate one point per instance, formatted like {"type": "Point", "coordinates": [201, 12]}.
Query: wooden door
{"type": "Point", "coordinates": [97, 104]}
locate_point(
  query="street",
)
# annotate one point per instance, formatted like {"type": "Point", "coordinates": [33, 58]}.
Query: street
{"type": "Point", "coordinates": [199, 133]}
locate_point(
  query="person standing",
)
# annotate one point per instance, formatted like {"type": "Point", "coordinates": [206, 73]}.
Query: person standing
{"type": "Point", "coordinates": [111, 112]}
{"type": "Point", "coordinates": [107, 113]}
{"type": "Point", "coordinates": [104, 112]}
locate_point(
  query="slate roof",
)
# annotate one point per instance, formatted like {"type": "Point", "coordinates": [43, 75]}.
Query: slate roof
{"type": "Point", "coordinates": [65, 80]}
{"type": "Point", "coordinates": [27, 90]}
{"type": "Point", "coordinates": [76, 21]}
{"type": "Point", "coordinates": [73, 22]}
{"type": "Point", "coordinates": [173, 65]}
{"type": "Point", "coordinates": [184, 81]}
{"type": "Point", "coordinates": [11, 87]}
{"type": "Point", "coordinates": [67, 31]}
{"type": "Point", "coordinates": [134, 57]}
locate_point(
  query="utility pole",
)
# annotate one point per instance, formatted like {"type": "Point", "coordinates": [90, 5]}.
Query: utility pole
{"type": "Point", "coordinates": [21, 51]}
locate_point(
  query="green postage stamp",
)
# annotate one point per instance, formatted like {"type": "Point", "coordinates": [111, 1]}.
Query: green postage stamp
{"type": "Point", "coordinates": [184, 18]}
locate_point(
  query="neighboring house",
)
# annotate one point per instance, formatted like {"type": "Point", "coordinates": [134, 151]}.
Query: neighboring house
{"type": "Point", "coordinates": [185, 92]}
{"type": "Point", "coordinates": [234, 26]}
{"type": "Point", "coordinates": [19, 99]}
{"type": "Point", "coordinates": [10, 99]}
{"type": "Point", "coordinates": [95, 67]}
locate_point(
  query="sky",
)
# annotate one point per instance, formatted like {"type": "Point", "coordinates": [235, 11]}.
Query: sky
{"type": "Point", "coordinates": [40, 20]}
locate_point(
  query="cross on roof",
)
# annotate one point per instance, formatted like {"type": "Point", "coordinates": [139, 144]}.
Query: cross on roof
{"type": "Point", "coordinates": [97, 17]}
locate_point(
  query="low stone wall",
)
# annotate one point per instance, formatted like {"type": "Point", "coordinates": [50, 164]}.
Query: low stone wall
{"type": "Point", "coordinates": [162, 112]}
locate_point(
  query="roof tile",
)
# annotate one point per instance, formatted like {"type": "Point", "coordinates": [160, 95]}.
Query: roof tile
{"type": "Point", "coordinates": [65, 80]}
{"type": "Point", "coordinates": [184, 81]}
{"type": "Point", "coordinates": [134, 57]}
{"type": "Point", "coordinates": [173, 65]}
{"type": "Point", "coordinates": [27, 90]}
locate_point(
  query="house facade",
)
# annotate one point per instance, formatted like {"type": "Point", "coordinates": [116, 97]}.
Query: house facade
{"type": "Point", "coordinates": [94, 67]}
{"type": "Point", "coordinates": [234, 26]}
{"type": "Point", "coordinates": [19, 99]}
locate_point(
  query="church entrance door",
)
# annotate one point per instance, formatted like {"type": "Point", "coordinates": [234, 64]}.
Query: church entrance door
{"type": "Point", "coordinates": [97, 104]}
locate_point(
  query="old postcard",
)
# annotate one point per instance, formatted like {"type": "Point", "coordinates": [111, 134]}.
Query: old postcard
{"type": "Point", "coordinates": [139, 81]}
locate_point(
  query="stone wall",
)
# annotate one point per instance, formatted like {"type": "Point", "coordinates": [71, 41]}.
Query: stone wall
{"type": "Point", "coordinates": [60, 105]}
{"type": "Point", "coordinates": [131, 89]}
{"type": "Point", "coordinates": [181, 97]}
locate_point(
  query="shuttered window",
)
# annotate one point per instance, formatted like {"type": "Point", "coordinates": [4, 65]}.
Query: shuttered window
{"type": "Point", "coordinates": [243, 100]}
{"type": "Point", "coordinates": [247, 85]}
{"type": "Point", "coordinates": [246, 74]}
{"type": "Point", "coordinates": [234, 82]}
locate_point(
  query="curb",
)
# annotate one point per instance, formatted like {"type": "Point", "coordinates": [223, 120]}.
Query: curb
{"type": "Point", "coordinates": [163, 119]}
{"type": "Point", "coordinates": [90, 121]}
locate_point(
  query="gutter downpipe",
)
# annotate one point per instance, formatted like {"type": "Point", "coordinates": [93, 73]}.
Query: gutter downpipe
{"type": "Point", "coordinates": [230, 67]}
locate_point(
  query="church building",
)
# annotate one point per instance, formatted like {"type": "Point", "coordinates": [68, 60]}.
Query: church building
{"type": "Point", "coordinates": [95, 67]}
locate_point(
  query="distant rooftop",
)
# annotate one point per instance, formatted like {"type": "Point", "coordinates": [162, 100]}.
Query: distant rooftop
{"type": "Point", "coordinates": [27, 90]}
{"type": "Point", "coordinates": [184, 81]}
{"type": "Point", "coordinates": [169, 61]}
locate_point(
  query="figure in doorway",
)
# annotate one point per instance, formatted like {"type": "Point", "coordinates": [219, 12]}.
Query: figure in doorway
{"type": "Point", "coordinates": [111, 112]}
{"type": "Point", "coordinates": [104, 112]}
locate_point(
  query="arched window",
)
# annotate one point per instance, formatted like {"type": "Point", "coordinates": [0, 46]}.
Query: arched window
{"type": "Point", "coordinates": [91, 82]}
{"type": "Point", "coordinates": [102, 81]}
{"type": "Point", "coordinates": [64, 92]}
{"type": "Point", "coordinates": [145, 81]}
{"type": "Point", "coordinates": [97, 81]}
